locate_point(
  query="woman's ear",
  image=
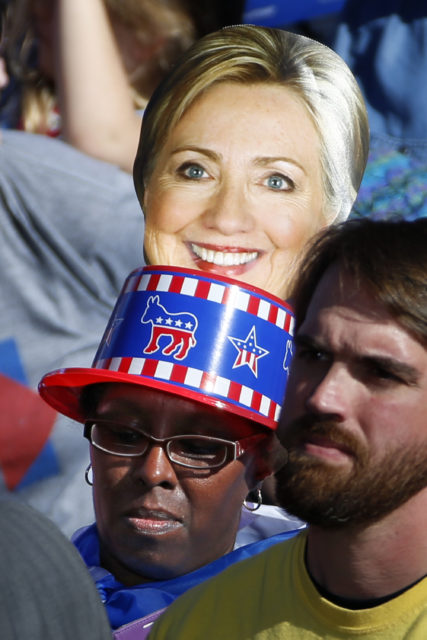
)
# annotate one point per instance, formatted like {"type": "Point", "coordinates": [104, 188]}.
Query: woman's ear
{"type": "Point", "coordinates": [269, 458]}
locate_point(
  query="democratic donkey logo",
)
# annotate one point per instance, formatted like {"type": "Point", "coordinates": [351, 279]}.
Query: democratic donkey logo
{"type": "Point", "coordinates": [180, 328]}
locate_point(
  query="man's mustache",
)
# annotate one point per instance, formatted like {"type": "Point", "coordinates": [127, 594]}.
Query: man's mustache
{"type": "Point", "coordinates": [299, 430]}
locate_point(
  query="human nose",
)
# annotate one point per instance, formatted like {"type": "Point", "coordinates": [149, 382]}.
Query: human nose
{"type": "Point", "coordinates": [229, 210]}
{"type": "Point", "coordinates": [331, 395]}
{"type": "Point", "coordinates": [154, 468]}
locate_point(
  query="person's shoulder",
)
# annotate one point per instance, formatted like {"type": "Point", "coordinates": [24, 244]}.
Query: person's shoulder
{"type": "Point", "coordinates": [21, 151]}
{"type": "Point", "coordinates": [198, 608]}
{"type": "Point", "coordinates": [44, 581]}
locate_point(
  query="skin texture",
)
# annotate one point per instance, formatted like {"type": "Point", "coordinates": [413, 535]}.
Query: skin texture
{"type": "Point", "coordinates": [354, 424]}
{"type": "Point", "coordinates": [95, 57]}
{"type": "Point", "coordinates": [157, 520]}
{"type": "Point", "coordinates": [239, 175]}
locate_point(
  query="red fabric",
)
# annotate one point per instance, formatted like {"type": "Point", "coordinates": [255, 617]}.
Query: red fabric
{"type": "Point", "coordinates": [26, 423]}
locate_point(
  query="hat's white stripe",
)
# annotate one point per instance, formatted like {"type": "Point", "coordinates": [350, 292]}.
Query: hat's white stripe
{"type": "Point", "coordinates": [216, 292]}
{"type": "Point", "coordinates": [193, 377]}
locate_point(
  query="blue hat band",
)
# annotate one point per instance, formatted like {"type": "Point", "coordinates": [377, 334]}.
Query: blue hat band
{"type": "Point", "coordinates": [202, 334]}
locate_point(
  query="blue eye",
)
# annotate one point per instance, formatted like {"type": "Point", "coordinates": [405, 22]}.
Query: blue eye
{"type": "Point", "coordinates": [192, 171]}
{"type": "Point", "coordinates": [279, 183]}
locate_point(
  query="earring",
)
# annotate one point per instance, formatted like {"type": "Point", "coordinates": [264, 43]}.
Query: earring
{"type": "Point", "coordinates": [258, 503]}
{"type": "Point", "coordinates": [88, 470]}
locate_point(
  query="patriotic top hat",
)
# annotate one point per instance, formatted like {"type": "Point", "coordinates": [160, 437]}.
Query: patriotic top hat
{"type": "Point", "coordinates": [210, 339]}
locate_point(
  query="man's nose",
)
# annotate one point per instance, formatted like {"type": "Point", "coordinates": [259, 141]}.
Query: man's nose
{"type": "Point", "coordinates": [332, 394]}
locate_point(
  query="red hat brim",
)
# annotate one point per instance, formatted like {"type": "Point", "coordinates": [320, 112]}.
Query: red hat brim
{"type": "Point", "coordinates": [62, 389]}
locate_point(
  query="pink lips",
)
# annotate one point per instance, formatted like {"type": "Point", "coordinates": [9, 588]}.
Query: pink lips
{"type": "Point", "coordinates": [153, 521]}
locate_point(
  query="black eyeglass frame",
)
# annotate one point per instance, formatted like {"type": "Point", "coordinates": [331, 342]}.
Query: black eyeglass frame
{"type": "Point", "coordinates": [236, 448]}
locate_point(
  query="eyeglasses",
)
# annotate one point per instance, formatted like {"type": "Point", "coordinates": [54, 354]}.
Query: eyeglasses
{"type": "Point", "coordinates": [193, 451]}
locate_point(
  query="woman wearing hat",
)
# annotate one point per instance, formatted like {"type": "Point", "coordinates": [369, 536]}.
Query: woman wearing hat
{"type": "Point", "coordinates": [180, 409]}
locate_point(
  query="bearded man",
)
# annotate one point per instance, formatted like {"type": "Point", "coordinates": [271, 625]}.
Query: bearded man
{"type": "Point", "coordinates": [354, 423]}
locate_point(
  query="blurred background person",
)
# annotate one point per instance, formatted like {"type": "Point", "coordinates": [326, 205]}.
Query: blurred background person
{"type": "Point", "coordinates": [385, 45]}
{"type": "Point", "coordinates": [84, 69]}
{"type": "Point", "coordinates": [46, 592]}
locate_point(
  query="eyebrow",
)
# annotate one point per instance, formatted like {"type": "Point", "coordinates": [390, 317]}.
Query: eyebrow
{"type": "Point", "coordinates": [124, 410]}
{"type": "Point", "coordinates": [259, 160]}
{"type": "Point", "coordinates": [304, 340]}
{"type": "Point", "coordinates": [265, 160]}
{"type": "Point", "coordinates": [205, 152]}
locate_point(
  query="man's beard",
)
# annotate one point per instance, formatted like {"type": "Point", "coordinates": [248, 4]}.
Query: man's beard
{"type": "Point", "coordinates": [329, 495]}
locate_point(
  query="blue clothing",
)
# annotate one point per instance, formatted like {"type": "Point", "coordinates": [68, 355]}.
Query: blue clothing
{"type": "Point", "coordinates": [384, 42]}
{"type": "Point", "coordinates": [394, 184]}
{"type": "Point", "coordinates": [125, 604]}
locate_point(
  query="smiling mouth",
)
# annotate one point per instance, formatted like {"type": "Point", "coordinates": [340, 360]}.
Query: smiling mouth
{"type": "Point", "coordinates": [223, 258]}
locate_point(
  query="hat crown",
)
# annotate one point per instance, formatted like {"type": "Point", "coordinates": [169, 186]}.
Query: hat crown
{"type": "Point", "coordinates": [203, 337]}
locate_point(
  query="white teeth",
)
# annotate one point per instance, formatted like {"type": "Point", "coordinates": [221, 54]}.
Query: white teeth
{"type": "Point", "coordinates": [223, 258]}
{"type": "Point", "coordinates": [218, 258]}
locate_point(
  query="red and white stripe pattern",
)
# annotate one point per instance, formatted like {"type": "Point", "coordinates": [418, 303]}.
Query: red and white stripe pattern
{"type": "Point", "coordinates": [196, 379]}
{"type": "Point", "coordinates": [229, 294]}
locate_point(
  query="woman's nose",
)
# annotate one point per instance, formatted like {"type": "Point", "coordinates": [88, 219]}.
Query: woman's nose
{"type": "Point", "coordinates": [154, 468]}
{"type": "Point", "coordinates": [229, 210]}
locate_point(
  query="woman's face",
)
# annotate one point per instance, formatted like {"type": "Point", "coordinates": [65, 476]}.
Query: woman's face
{"type": "Point", "coordinates": [157, 520]}
{"type": "Point", "coordinates": [237, 187]}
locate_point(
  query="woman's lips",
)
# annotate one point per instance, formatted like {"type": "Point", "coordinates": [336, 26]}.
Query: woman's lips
{"type": "Point", "coordinates": [153, 521]}
{"type": "Point", "coordinates": [214, 258]}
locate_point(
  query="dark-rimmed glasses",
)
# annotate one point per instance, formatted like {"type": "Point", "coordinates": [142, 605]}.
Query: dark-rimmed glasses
{"type": "Point", "coordinates": [193, 451]}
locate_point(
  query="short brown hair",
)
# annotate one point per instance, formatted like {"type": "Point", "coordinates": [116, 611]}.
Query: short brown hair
{"type": "Point", "coordinates": [388, 258]}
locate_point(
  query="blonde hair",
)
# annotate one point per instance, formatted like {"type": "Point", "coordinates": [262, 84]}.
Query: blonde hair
{"type": "Point", "coordinates": [249, 54]}
{"type": "Point", "coordinates": [167, 21]}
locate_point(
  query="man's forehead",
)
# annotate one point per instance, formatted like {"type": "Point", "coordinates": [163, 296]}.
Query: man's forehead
{"type": "Point", "coordinates": [338, 288]}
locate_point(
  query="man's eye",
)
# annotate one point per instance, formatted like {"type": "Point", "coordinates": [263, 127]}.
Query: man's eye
{"type": "Point", "coordinates": [278, 182]}
{"type": "Point", "coordinates": [310, 354]}
{"type": "Point", "coordinates": [383, 374]}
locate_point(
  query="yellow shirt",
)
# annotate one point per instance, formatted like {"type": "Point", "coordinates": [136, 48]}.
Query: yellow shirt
{"type": "Point", "coordinates": [271, 597]}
